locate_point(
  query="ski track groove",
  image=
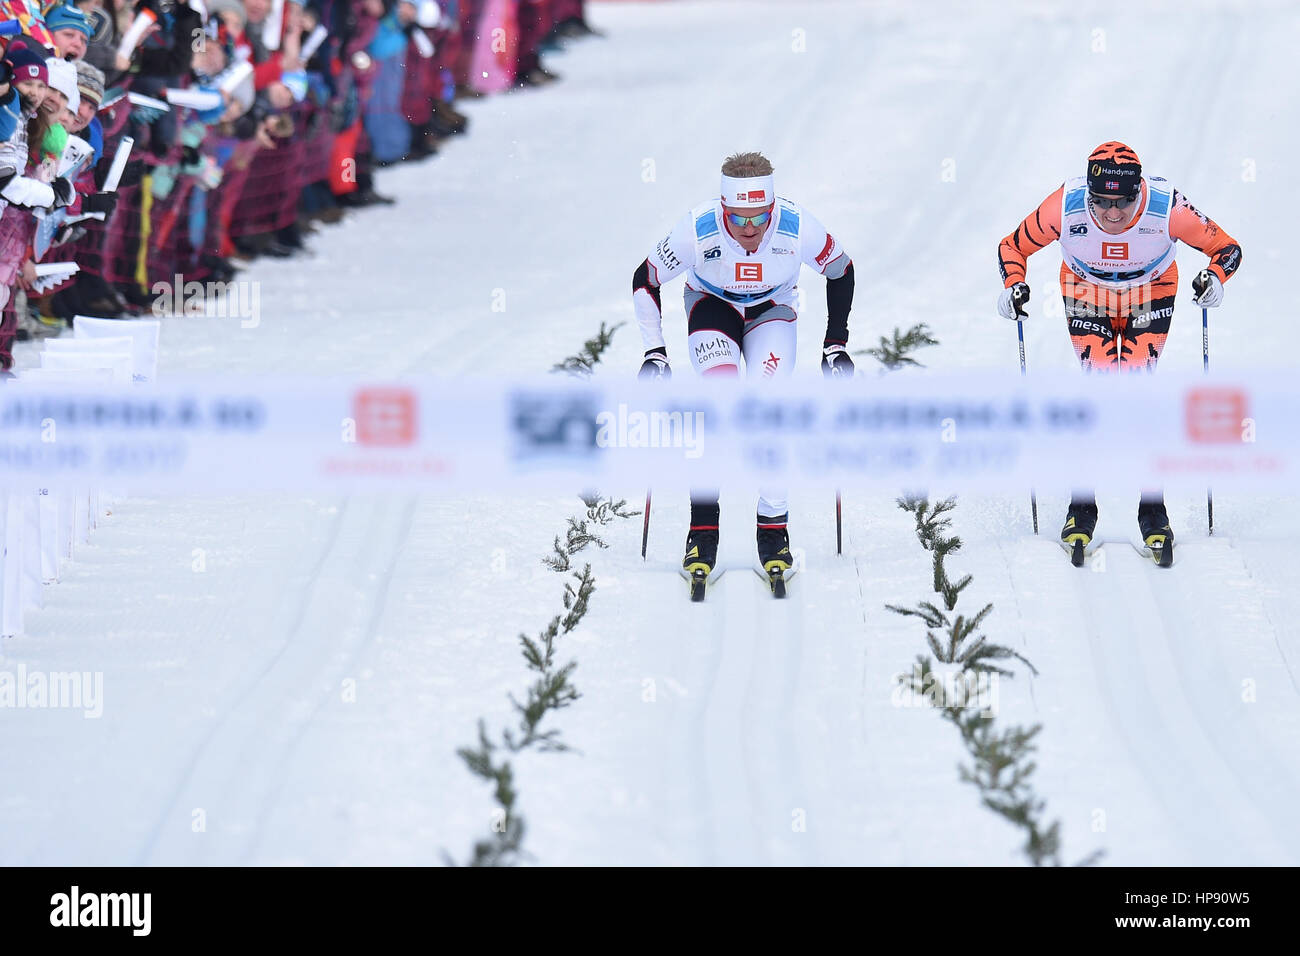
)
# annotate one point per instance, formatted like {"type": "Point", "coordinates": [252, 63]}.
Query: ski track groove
{"type": "Point", "coordinates": [1240, 743]}
{"type": "Point", "coordinates": [1138, 688]}
{"type": "Point", "coordinates": [1272, 623]}
{"type": "Point", "coordinates": [376, 598]}
{"type": "Point", "coordinates": [703, 652]}
{"type": "Point", "coordinates": [300, 612]}
{"type": "Point", "coordinates": [777, 786]}
{"type": "Point", "coordinates": [239, 767]}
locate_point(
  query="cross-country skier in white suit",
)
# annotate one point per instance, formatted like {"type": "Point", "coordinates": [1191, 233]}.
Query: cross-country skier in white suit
{"type": "Point", "coordinates": [741, 254]}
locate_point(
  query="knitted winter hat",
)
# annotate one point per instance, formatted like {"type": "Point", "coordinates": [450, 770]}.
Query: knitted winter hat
{"type": "Point", "coordinates": [67, 17]}
{"type": "Point", "coordinates": [27, 63]}
{"type": "Point", "coordinates": [90, 82]}
{"type": "Point", "coordinates": [63, 77]}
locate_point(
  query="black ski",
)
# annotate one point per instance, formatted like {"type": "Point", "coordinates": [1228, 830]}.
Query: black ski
{"type": "Point", "coordinates": [699, 581]}
{"type": "Point", "coordinates": [1078, 552]}
{"type": "Point", "coordinates": [1163, 556]}
{"type": "Point", "coordinates": [776, 579]}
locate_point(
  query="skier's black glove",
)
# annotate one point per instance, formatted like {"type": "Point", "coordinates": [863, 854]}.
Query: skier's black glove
{"type": "Point", "coordinates": [836, 362]}
{"type": "Point", "coordinates": [100, 202]}
{"type": "Point", "coordinates": [655, 366]}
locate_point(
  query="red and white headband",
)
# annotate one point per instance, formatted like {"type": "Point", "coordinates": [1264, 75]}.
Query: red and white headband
{"type": "Point", "coordinates": [747, 191]}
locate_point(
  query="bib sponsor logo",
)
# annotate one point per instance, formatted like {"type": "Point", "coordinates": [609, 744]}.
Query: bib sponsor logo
{"type": "Point", "coordinates": [385, 416]}
{"type": "Point", "coordinates": [717, 349]}
{"type": "Point", "coordinates": [749, 272]}
{"type": "Point", "coordinates": [1084, 325]}
{"type": "Point", "coordinates": [714, 253]}
{"type": "Point", "coordinates": [665, 254]}
{"type": "Point", "coordinates": [1214, 415]}
{"type": "Point", "coordinates": [1079, 229]}
{"type": "Point", "coordinates": [718, 345]}
{"type": "Point", "coordinates": [1114, 250]}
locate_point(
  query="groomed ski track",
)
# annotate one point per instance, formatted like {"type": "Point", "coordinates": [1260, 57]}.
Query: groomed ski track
{"type": "Point", "coordinates": [743, 730]}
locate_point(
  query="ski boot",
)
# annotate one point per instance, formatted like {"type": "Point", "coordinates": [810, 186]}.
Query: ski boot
{"type": "Point", "coordinates": [1153, 525]}
{"type": "Point", "coordinates": [1080, 523]}
{"type": "Point", "coordinates": [774, 551]}
{"type": "Point", "coordinates": [701, 558]}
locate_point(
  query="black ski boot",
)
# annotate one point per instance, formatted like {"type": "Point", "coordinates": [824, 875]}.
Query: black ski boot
{"type": "Point", "coordinates": [1153, 525]}
{"type": "Point", "coordinates": [774, 544]}
{"type": "Point", "coordinates": [1080, 523]}
{"type": "Point", "coordinates": [774, 551]}
{"type": "Point", "coordinates": [701, 550]}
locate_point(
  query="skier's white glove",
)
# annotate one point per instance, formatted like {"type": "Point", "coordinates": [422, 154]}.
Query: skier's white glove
{"type": "Point", "coordinates": [1011, 303]}
{"type": "Point", "coordinates": [655, 366]}
{"type": "Point", "coordinates": [1207, 290]}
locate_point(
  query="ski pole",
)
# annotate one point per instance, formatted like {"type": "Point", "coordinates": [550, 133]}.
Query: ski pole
{"type": "Point", "coordinates": [1205, 359]}
{"type": "Point", "coordinates": [645, 525]}
{"type": "Point", "coordinates": [839, 534]}
{"type": "Point", "coordinates": [1020, 331]}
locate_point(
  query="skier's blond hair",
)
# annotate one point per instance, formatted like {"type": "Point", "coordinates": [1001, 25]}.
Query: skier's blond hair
{"type": "Point", "coordinates": [745, 165]}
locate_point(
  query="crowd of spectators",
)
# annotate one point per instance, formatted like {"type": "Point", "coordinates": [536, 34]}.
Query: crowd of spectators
{"type": "Point", "coordinates": [163, 138]}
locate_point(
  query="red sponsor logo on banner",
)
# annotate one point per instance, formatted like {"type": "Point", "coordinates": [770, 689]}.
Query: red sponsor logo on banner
{"type": "Point", "coordinates": [825, 254]}
{"type": "Point", "coordinates": [385, 416]}
{"type": "Point", "coordinates": [749, 272]}
{"type": "Point", "coordinates": [1215, 415]}
{"type": "Point", "coordinates": [1114, 250]}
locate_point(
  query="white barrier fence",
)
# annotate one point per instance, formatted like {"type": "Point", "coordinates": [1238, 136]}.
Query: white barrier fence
{"type": "Point", "coordinates": [40, 529]}
{"type": "Point", "coordinates": [990, 431]}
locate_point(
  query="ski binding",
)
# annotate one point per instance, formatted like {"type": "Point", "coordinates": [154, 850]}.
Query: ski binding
{"type": "Point", "coordinates": [699, 579]}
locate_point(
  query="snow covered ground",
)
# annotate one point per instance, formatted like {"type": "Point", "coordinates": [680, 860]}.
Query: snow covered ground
{"type": "Point", "coordinates": [297, 672]}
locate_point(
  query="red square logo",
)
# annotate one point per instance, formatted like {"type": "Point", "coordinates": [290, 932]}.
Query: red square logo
{"type": "Point", "coordinates": [1214, 415]}
{"type": "Point", "coordinates": [757, 196]}
{"type": "Point", "coordinates": [749, 272]}
{"type": "Point", "coordinates": [1114, 250]}
{"type": "Point", "coordinates": [385, 416]}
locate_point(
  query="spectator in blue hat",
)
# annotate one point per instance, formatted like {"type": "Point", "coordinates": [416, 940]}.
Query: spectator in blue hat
{"type": "Point", "coordinates": [70, 29]}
